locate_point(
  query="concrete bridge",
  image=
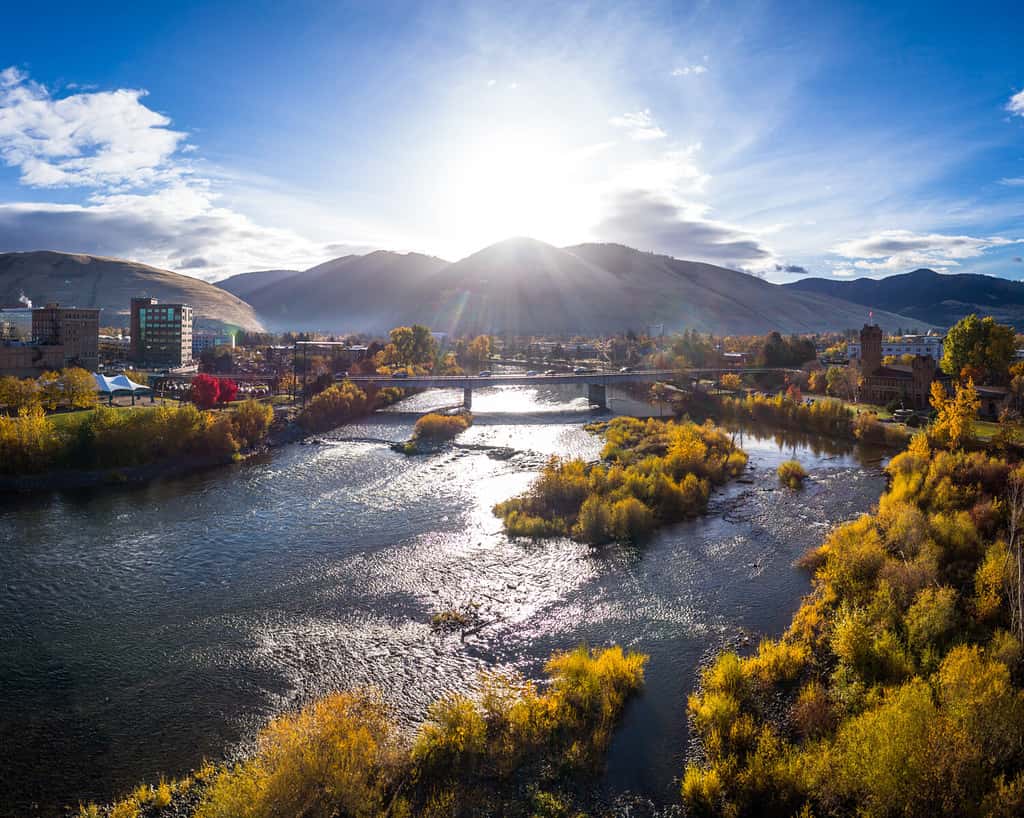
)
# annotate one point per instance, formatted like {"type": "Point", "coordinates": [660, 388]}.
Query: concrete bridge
{"type": "Point", "coordinates": [596, 382]}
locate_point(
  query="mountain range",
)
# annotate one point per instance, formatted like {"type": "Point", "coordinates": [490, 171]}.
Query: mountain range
{"type": "Point", "coordinates": [518, 286]}
{"type": "Point", "coordinates": [928, 296]}
{"type": "Point", "coordinates": [76, 280]}
{"type": "Point", "coordinates": [524, 286]}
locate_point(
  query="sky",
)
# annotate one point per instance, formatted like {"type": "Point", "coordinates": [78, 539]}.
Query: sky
{"type": "Point", "coordinates": [783, 139]}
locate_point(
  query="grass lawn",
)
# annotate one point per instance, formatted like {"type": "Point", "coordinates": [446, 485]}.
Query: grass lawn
{"type": "Point", "coordinates": [985, 429]}
{"type": "Point", "coordinates": [68, 420]}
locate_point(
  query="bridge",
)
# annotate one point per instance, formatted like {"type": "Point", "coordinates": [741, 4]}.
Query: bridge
{"type": "Point", "coordinates": [596, 382]}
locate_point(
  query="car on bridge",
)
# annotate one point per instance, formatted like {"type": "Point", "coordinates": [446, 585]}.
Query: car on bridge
{"type": "Point", "coordinates": [626, 369]}
{"type": "Point", "coordinates": [484, 374]}
{"type": "Point", "coordinates": [532, 373]}
{"type": "Point", "coordinates": [399, 374]}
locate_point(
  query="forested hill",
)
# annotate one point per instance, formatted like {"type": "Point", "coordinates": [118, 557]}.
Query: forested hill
{"type": "Point", "coordinates": [928, 296]}
{"type": "Point", "coordinates": [524, 286]}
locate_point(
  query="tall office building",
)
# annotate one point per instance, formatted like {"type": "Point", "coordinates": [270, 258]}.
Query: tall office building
{"type": "Point", "coordinates": [161, 333]}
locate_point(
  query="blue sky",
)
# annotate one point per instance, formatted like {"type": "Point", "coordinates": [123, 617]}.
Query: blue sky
{"type": "Point", "coordinates": [835, 139]}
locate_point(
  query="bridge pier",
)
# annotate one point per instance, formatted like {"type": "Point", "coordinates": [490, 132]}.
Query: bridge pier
{"type": "Point", "coordinates": [467, 398]}
{"type": "Point", "coordinates": [597, 395]}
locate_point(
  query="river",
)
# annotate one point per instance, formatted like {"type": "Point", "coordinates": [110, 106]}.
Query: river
{"type": "Point", "coordinates": [145, 629]}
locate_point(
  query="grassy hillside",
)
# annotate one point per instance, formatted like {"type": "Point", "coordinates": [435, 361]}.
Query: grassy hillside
{"type": "Point", "coordinates": [108, 283]}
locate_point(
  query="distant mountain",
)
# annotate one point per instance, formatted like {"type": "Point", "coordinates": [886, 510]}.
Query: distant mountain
{"type": "Point", "coordinates": [353, 293]}
{"type": "Point", "coordinates": [524, 286]}
{"type": "Point", "coordinates": [928, 296]}
{"type": "Point", "coordinates": [109, 283]}
{"type": "Point", "coordinates": [244, 284]}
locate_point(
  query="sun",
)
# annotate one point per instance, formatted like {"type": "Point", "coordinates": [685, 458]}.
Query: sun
{"type": "Point", "coordinates": [515, 182]}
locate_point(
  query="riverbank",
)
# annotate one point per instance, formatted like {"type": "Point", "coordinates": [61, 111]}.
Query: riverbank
{"type": "Point", "coordinates": [150, 629]}
{"type": "Point", "coordinates": [187, 440]}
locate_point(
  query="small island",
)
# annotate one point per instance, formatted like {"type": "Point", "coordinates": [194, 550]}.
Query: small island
{"type": "Point", "coordinates": [652, 473]}
{"type": "Point", "coordinates": [435, 431]}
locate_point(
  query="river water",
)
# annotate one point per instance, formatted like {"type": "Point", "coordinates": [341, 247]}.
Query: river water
{"type": "Point", "coordinates": [144, 629]}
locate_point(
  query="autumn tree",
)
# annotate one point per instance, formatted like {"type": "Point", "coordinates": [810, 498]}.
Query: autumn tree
{"type": "Point", "coordinates": [817, 382]}
{"type": "Point", "coordinates": [731, 380]}
{"type": "Point", "coordinates": [51, 392]}
{"type": "Point", "coordinates": [227, 390]}
{"type": "Point", "coordinates": [954, 424]}
{"type": "Point", "coordinates": [79, 388]}
{"type": "Point", "coordinates": [17, 394]}
{"type": "Point", "coordinates": [477, 351]}
{"type": "Point", "coordinates": [205, 391]}
{"type": "Point", "coordinates": [842, 381]}
{"type": "Point", "coordinates": [981, 344]}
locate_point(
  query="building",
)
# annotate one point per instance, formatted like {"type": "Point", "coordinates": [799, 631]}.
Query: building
{"type": "Point", "coordinates": [161, 334]}
{"type": "Point", "coordinates": [76, 329]}
{"type": "Point", "coordinates": [114, 348]}
{"type": "Point", "coordinates": [910, 384]}
{"type": "Point", "coordinates": [26, 360]}
{"type": "Point", "coordinates": [904, 345]}
{"type": "Point", "coordinates": [201, 341]}
{"type": "Point", "coordinates": [16, 323]}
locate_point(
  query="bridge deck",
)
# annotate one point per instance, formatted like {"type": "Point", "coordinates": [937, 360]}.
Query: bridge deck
{"type": "Point", "coordinates": [604, 378]}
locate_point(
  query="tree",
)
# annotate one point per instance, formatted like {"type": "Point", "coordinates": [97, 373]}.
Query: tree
{"type": "Point", "coordinates": [79, 388]}
{"type": "Point", "coordinates": [731, 380]}
{"type": "Point", "coordinates": [817, 382]}
{"type": "Point", "coordinates": [981, 344]}
{"type": "Point", "coordinates": [227, 390]}
{"type": "Point", "coordinates": [51, 392]}
{"type": "Point", "coordinates": [954, 425]}
{"type": "Point", "coordinates": [205, 391]}
{"type": "Point", "coordinates": [17, 394]}
{"type": "Point", "coordinates": [842, 381]}
{"type": "Point", "coordinates": [477, 351]}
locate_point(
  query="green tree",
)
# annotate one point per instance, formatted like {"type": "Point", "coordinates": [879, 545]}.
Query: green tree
{"type": "Point", "coordinates": [980, 344]}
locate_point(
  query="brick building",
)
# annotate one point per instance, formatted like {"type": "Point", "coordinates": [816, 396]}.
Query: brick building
{"type": "Point", "coordinates": [76, 329]}
{"type": "Point", "coordinates": [880, 384]}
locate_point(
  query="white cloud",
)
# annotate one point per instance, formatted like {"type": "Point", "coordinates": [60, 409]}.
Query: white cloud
{"type": "Point", "coordinates": [689, 70]}
{"type": "Point", "coordinates": [86, 139]}
{"type": "Point", "coordinates": [639, 125]}
{"type": "Point", "coordinates": [893, 251]}
{"type": "Point", "coordinates": [144, 201]}
{"type": "Point", "coordinates": [1016, 104]}
{"type": "Point", "coordinates": [1014, 181]}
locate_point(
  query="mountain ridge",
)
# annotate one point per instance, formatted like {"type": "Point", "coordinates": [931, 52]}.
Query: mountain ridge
{"type": "Point", "coordinates": [85, 280]}
{"type": "Point", "coordinates": [925, 295]}
{"type": "Point", "coordinates": [525, 286]}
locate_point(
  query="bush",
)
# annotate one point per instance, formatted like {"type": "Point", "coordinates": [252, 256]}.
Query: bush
{"type": "Point", "coordinates": [791, 474]}
{"type": "Point", "coordinates": [337, 404]}
{"type": "Point", "coordinates": [436, 428]}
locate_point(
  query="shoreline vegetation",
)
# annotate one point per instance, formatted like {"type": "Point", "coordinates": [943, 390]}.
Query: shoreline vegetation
{"type": "Point", "coordinates": [652, 473]}
{"type": "Point", "coordinates": [896, 688]}
{"type": "Point", "coordinates": [119, 446]}
{"type": "Point", "coordinates": [517, 749]}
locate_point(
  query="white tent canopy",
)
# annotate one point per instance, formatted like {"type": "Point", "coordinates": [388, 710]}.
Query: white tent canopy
{"type": "Point", "coordinates": [120, 383]}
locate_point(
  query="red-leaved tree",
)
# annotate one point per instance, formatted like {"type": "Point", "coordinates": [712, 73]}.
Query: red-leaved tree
{"type": "Point", "coordinates": [208, 391]}
{"type": "Point", "coordinates": [228, 390]}
{"type": "Point", "coordinates": [205, 392]}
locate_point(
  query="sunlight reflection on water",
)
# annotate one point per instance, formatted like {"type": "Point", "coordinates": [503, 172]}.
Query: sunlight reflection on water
{"type": "Point", "coordinates": [194, 609]}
